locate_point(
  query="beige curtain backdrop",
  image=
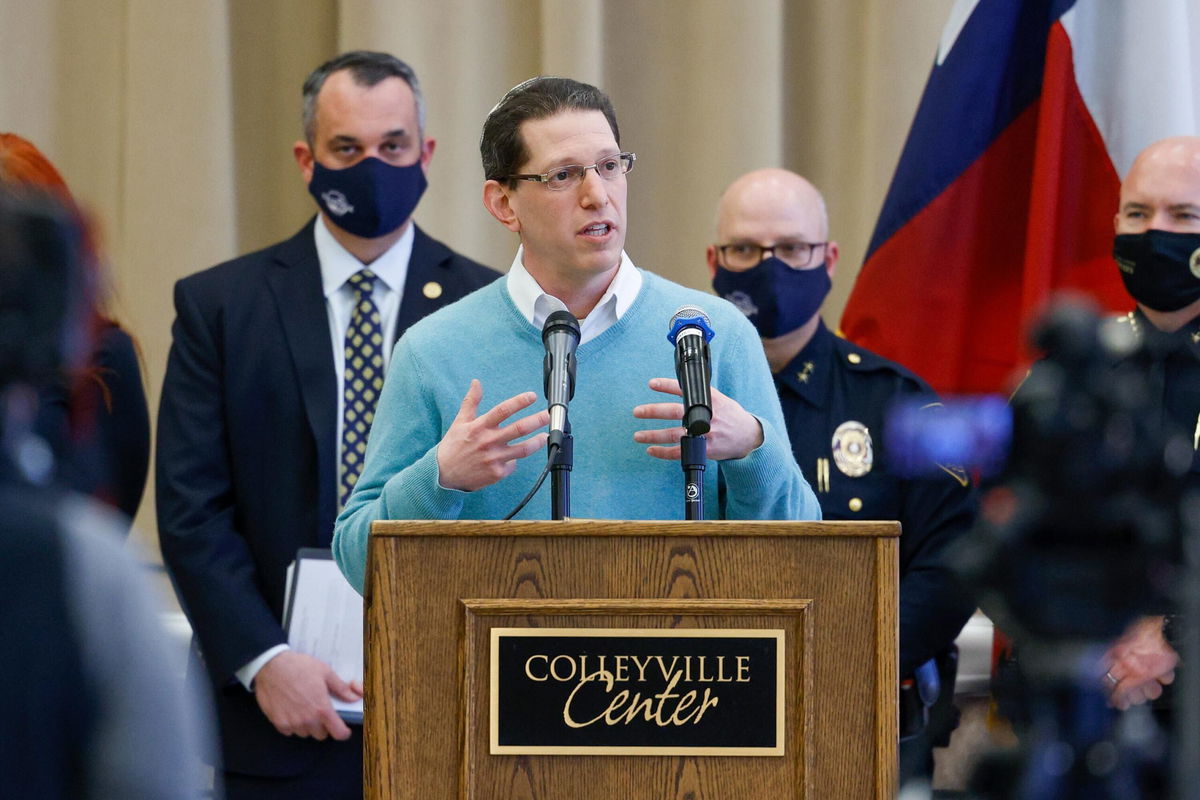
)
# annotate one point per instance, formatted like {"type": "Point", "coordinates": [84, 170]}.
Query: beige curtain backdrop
{"type": "Point", "coordinates": [173, 119]}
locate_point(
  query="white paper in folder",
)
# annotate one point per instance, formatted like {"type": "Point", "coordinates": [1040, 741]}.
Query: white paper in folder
{"type": "Point", "coordinates": [323, 618]}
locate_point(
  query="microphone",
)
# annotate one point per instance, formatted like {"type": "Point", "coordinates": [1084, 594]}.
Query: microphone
{"type": "Point", "coordinates": [690, 332]}
{"type": "Point", "coordinates": [560, 335]}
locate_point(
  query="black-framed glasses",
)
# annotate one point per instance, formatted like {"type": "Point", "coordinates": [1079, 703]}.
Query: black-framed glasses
{"type": "Point", "coordinates": [744, 255]}
{"type": "Point", "coordinates": [569, 175]}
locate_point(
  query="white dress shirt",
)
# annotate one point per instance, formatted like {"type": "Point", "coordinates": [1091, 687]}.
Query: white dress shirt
{"type": "Point", "coordinates": [535, 305]}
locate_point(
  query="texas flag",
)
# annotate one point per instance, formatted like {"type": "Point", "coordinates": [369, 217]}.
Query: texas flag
{"type": "Point", "coordinates": [1008, 182]}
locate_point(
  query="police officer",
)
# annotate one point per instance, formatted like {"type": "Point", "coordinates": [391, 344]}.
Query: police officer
{"type": "Point", "coordinates": [1157, 250]}
{"type": "Point", "coordinates": [774, 260]}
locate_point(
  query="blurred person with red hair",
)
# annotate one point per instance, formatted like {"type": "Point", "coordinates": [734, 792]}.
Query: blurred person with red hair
{"type": "Point", "coordinates": [94, 418]}
{"type": "Point", "coordinates": [91, 701]}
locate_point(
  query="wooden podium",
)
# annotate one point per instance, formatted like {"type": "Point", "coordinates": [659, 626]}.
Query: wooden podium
{"type": "Point", "coordinates": [436, 590]}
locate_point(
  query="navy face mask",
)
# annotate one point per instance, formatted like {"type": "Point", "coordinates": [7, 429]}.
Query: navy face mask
{"type": "Point", "coordinates": [371, 198]}
{"type": "Point", "coordinates": [1161, 270]}
{"type": "Point", "coordinates": [775, 297]}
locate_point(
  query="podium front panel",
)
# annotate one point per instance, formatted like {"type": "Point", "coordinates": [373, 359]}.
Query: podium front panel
{"type": "Point", "coordinates": [437, 591]}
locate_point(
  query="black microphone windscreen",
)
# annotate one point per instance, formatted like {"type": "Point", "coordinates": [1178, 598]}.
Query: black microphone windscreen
{"type": "Point", "coordinates": [561, 321]}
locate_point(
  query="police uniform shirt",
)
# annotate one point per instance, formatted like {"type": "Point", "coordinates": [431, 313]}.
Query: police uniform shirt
{"type": "Point", "coordinates": [1172, 361]}
{"type": "Point", "coordinates": [835, 397]}
{"type": "Point", "coordinates": [1174, 376]}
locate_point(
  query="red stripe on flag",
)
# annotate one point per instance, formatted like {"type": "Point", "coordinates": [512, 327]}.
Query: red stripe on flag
{"type": "Point", "coordinates": [1073, 198]}
{"type": "Point", "coordinates": [951, 293]}
{"type": "Point", "coordinates": [939, 295]}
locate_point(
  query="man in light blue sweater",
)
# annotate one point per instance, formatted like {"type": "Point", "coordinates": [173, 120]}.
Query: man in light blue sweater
{"type": "Point", "coordinates": [555, 175]}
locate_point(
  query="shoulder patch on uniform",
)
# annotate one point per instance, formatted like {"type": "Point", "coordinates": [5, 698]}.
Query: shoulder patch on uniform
{"type": "Point", "coordinates": [958, 473]}
{"type": "Point", "coordinates": [1028, 372]}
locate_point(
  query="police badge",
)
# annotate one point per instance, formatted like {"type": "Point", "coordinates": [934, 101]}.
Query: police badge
{"type": "Point", "coordinates": [852, 450]}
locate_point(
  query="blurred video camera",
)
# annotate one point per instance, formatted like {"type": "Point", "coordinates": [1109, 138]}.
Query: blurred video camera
{"type": "Point", "coordinates": [1079, 523]}
{"type": "Point", "coordinates": [1081, 530]}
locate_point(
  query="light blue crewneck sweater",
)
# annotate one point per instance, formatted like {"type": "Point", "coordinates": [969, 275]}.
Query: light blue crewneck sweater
{"type": "Point", "coordinates": [484, 336]}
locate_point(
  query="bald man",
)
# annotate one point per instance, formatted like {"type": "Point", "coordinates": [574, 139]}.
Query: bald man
{"type": "Point", "coordinates": [1157, 250]}
{"type": "Point", "coordinates": [774, 260]}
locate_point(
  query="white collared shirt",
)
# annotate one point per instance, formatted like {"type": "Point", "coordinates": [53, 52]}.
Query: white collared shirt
{"type": "Point", "coordinates": [535, 305]}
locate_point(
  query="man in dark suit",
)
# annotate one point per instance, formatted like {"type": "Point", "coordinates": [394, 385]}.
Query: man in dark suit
{"type": "Point", "coordinates": [270, 388]}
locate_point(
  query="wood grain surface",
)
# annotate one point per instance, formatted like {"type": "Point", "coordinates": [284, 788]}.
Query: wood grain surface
{"type": "Point", "coordinates": [436, 589]}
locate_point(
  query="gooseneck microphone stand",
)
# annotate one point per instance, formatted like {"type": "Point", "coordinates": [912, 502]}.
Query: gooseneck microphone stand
{"type": "Point", "coordinates": [560, 476]}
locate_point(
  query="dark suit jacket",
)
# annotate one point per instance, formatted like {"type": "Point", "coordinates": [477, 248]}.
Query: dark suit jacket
{"type": "Point", "coordinates": [247, 462]}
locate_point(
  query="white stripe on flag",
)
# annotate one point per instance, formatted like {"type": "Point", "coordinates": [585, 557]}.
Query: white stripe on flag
{"type": "Point", "coordinates": [1136, 65]}
{"type": "Point", "coordinates": [954, 25]}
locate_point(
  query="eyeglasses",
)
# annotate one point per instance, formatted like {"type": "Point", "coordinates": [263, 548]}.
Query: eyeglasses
{"type": "Point", "coordinates": [744, 255]}
{"type": "Point", "coordinates": [565, 177]}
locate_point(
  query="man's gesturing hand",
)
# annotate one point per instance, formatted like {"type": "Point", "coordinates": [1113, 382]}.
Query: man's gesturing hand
{"type": "Point", "coordinates": [734, 433]}
{"type": "Point", "coordinates": [475, 452]}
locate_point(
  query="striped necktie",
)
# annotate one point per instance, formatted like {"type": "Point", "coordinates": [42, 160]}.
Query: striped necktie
{"type": "Point", "coordinates": [362, 380]}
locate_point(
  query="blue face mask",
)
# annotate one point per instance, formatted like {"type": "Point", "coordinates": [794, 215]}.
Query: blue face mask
{"type": "Point", "coordinates": [775, 297]}
{"type": "Point", "coordinates": [371, 198]}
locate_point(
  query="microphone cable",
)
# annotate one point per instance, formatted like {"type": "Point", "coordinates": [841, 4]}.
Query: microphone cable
{"type": "Point", "coordinates": [560, 337]}
{"type": "Point", "coordinates": [550, 452]}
